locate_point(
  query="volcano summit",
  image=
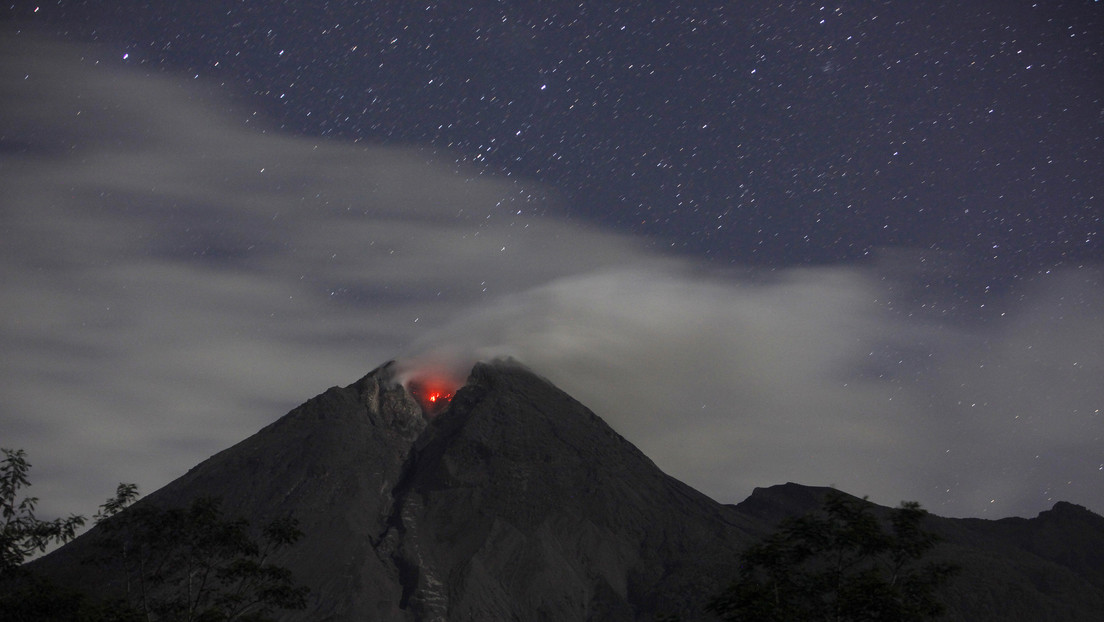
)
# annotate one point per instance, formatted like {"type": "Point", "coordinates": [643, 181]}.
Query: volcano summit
{"type": "Point", "coordinates": [506, 499]}
{"type": "Point", "coordinates": [509, 500]}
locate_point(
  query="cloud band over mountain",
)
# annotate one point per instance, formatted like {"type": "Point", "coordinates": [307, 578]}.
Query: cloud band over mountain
{"type": "Point", "coordinates": [177, 273]}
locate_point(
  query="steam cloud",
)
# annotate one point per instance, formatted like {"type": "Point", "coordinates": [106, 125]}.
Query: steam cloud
{"type": "Point", "coordinates": [818, 376]}
{"type": "Point", "coordinates": [174, 278]}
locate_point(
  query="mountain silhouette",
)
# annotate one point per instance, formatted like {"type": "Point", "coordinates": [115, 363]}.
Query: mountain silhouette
{"type": "Point", "coordinates": [506, 499]}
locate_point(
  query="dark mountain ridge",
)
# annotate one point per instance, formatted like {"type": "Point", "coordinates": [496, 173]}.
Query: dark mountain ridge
{"type": "Point", "coordinates": [1044, 568]}
{"type": "Point", "coordinates": [514, 501]}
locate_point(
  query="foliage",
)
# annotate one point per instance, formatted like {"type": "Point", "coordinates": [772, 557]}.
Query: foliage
{"type": "Point", "coordinates": [180, 564]}
{"type": "Point", "coordinates": [125, 494]}
{"type": "Point", "coordinates": [36, 599]}
{"type": "Point", "coordinates": [21, 533]}
{"type": "Point", "coordinates": [839, 564]}
{"type": "Point", "coordinates": [195, 564]}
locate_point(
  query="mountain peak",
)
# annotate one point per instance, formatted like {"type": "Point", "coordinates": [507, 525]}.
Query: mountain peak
{"type": "Point", "coordinates": [504, 498]}
{"type": "Point", "coordinates": [427, 497]}
{"type": "Point", "coordinates": [387, 404]}
{"type": "Point", "coordinates": [515, 464]}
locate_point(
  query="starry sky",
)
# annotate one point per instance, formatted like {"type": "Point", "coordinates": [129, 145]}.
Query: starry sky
{"type": "Point", "coordinates": [853, 244]}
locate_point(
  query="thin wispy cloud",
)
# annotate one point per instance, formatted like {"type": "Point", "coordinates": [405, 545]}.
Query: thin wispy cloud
{"type": "Point", "coordinates": [175, 277]}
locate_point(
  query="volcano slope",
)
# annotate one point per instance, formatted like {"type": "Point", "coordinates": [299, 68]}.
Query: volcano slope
{"type": "Point", "coordinates": [513, 501]}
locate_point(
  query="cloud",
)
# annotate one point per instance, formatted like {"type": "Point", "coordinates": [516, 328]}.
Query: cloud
{"type": "Point", "coordinates": [825, 376]}
{"type": "Point", "coordinates": [174, 277]}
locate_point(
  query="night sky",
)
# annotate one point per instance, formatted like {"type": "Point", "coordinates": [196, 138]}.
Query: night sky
{"type": "Point", "coordinates": [853, 244]}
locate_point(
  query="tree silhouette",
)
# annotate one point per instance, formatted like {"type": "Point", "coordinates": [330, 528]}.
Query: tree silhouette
{"type": "Point", "coordinates": [195, 564]}
{"type": "Point", "coordinates": [23, 596]}
{"type": "Point", "coordinates": [839, 564]}
{"type": "Point", "coordinates": [22, 534]}
{"type": "Point", "coordinates": [179, 564]}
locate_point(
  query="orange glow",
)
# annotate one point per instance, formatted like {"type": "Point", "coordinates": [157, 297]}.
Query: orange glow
{"type": "Point", "coordinates": [433, 393]}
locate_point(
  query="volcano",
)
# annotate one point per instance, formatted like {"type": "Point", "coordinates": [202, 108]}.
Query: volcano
{"type": "Point", "coordinates": [433, 392]}
{"type": "Point", "coordinates": [506, 499]}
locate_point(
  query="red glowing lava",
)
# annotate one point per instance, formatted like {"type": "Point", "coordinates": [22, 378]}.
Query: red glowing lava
{"type": "Point", "coordinates": [433, 393]}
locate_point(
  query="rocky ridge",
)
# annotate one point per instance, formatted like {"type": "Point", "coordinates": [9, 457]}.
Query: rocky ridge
{"type": "Point", "coordinates": [512, 500]}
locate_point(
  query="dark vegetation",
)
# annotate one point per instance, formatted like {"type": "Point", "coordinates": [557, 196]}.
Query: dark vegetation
{"type": "Point", "coordinates": [839, 564]}
{"type": "Point", "coordinates": [190, 564]}
{"type": "Point", "coordinates": [23, 534]}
